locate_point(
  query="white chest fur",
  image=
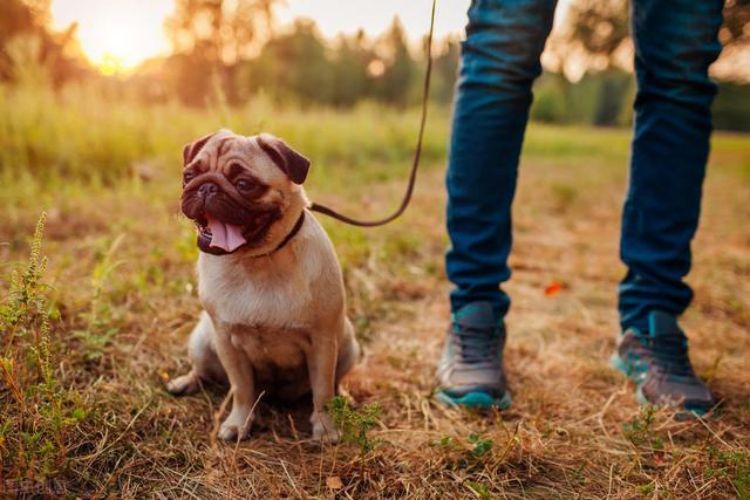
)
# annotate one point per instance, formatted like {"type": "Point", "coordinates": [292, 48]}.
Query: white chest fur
{"type": "Point", "coordinates": [267, 292]}
{"type": "Point", "coordinates": [292, 288]}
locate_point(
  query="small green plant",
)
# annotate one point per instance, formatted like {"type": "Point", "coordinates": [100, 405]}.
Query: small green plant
{"type": "Point", "coordinates": [446, 442]}
{"type": "Point", "coordinates": [354, 424]}
{"type": "Point", "coordinates": [732, 466]}
{"type": "Point", "coordinates": [466, 453]}
{"type": "Point", "coordinates": [25, 305]}
{"type": "Point", "coordinates": [646, 489]}
{"type": "Point", "coordinates": [38, 411]}
{"type": "Point", "coordinates": [479, 489]}
{"type": "Point", "coordinates": [639, 430]}
{"type": "Point", "coordinates": [481, 446]}
{"type": "Point", "coordinates": [739, 463]}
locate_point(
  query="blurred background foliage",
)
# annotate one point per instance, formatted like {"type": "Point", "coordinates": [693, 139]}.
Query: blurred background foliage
{"type": "Point", "coordinates": [227, 52]}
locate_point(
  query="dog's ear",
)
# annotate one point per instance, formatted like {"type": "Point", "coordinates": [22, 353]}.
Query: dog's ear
{"type": "Point", "coordinates": [190, 151]}
{"type": "Point", "coordinates": [293, 164]}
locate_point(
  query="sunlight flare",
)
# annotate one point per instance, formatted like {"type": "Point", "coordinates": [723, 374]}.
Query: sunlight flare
{"type": "Point", "coordinates": [116, 35]}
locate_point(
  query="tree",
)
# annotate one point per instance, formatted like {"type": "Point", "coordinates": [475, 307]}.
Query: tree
{"type": "Point", "coordinates": [295, 66]}
{"type": "Point", "coordinates": [17, 19]}
{"type": "Point", "coordinates": [210, 38]}
{"type": "Point", "coordinates": [735, 36]}
{"type": "Point", "coordinates": [351, 80]}
{"type": "Point", "coordinates": [595, 32]}
{"type": "Point", "coordinates": [394, 85]}
{"type": "Point", "coordinates": [29, 20]}
{"type": "Point", "coordinates": [596, 29]}
{"type": "Point", "coordinates": [736, 29]}
{"type": "Point", "coordinates": [444, 71]}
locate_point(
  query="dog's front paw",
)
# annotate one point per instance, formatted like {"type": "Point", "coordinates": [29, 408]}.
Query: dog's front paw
{"type": "Point", "coordinates": [323, 428]}
{"type": "Point", "coordinates": [184, 385]}
{"type": "Point", "coordinates": [236, 427]}
{"type": "Point", "coordinates": [231, 432]}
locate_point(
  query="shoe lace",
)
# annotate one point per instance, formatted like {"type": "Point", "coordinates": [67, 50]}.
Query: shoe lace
{"type": "Point", "coordinates": [671, 354]}
{"type": "Point", "coordinates": [478, 345]}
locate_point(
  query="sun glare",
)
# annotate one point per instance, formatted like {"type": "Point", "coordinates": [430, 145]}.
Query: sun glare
{"type": "Point", "coordinates": [116, 35]}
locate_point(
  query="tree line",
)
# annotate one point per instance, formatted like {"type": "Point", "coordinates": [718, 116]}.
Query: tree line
{"type": "Point", "coordinates": [230, 51]}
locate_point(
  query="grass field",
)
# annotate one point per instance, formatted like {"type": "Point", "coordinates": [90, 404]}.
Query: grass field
{"type": "Point", "coordinates": [89, 341]}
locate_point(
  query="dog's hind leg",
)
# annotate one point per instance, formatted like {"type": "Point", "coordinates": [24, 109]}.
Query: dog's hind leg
{"type": "Point", "coordinates": [206, 365]}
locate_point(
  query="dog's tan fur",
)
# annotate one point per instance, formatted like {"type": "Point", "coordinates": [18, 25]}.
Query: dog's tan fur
{"type": "Point", "coordinates": [272, 320]}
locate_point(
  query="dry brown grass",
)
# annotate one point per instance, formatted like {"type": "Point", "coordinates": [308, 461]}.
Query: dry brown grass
{"type": "Point", "coordinates": [574, 429]}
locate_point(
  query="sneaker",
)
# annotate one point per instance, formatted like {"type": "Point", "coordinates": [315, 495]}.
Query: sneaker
{"type": "Point", "coordinates": [470, 372]}
{"type": "Point", "coordinates": [657, 361]}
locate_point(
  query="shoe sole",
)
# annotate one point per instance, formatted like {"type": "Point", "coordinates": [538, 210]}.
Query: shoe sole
{"type": "Point", "coordinates": [475, 399]}
{"type": "Point", "coordinates": [621, 365]}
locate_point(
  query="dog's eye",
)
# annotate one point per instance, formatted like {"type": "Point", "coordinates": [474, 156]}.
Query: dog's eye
{"type": "Point", "coordinates": [188, 176]}
{"type": "Point", "coordinates": [244, 185]}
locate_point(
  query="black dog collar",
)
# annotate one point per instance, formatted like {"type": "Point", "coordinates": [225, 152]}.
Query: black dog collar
{"type": "Point", "coordinates": [288, 237]}
{"type": "Point", "coordinates": [282, 244]}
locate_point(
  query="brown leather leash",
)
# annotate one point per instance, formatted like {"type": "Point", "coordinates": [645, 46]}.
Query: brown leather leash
{"type": "Point", "coordinates": [317, 207]}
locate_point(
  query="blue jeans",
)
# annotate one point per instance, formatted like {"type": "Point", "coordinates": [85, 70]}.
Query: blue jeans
{"type": "Point", "coordinates": [675, 42]}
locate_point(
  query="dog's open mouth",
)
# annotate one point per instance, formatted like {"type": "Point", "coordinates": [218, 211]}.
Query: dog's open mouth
{"type": "Point", "coordinates": [219, 237]}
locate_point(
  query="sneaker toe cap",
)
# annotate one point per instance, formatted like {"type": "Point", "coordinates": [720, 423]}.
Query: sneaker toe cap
{"type": "Point", "coordinates": [691, 396]}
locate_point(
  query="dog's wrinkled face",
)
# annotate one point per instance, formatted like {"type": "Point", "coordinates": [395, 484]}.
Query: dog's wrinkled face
{"type": "Point", "coordinates": [235, 188]}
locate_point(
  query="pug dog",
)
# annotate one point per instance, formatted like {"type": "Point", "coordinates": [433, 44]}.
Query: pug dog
{"type": "Point", "coordinates": [274, 311]}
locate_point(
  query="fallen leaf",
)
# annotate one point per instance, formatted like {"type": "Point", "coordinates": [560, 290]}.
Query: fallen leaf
{"type": "Point", "coordinates": [553, 289]}
{"type": "Point", "coordinates": [334, 483]}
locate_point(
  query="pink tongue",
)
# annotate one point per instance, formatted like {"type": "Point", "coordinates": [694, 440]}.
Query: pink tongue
{"type": "Point", "coordinates": [228, 237]}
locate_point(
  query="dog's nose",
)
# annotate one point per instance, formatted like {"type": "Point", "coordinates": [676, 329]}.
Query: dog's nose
{"type": "Point", "coordinates": [208, 188]}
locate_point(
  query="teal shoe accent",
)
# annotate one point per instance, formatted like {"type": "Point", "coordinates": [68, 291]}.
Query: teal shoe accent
{"type": "Point", "coordinates": [475, 400]}
{"type": "Point", "coordinates": [616, 362]}
{"type": "Point", "coordinates": [636, 373]}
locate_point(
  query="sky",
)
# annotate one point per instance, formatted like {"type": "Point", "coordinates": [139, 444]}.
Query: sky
{"type": "Point", "coordinates": [117, 34]}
